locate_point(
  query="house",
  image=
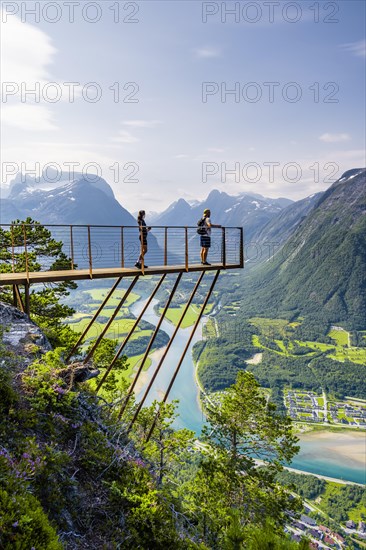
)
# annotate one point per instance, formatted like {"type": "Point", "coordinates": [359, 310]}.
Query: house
{"type": "Point", "coordinates": [308, 520]}
{"type": "Point", "coordinates": [338, 537]}
{"type": "Point", "coordinates": [350, 524]}
{"type": "Point", "coordinates": [328, 540]}
{"type": "Point", "coordinates": [362, 526]}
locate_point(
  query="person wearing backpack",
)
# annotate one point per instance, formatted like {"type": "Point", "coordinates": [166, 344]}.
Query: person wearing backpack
{"type": "Point", "coordinates": [204, 231]}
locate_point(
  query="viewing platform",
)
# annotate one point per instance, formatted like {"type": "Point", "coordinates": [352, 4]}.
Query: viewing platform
{"type": "Point", "coordinates": [101, 251]}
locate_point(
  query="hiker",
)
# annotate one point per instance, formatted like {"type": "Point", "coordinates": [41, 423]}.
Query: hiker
{"type": "Point", "coordinates": [143, 238]}
{"type": "Point", "coordinates": [206, 239]}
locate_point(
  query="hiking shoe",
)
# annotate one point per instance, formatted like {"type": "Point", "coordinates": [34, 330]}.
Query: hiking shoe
{"type": "Point", "coordinates": [205, 263]}
{"type": "Point", "coordinates": [138, 265]}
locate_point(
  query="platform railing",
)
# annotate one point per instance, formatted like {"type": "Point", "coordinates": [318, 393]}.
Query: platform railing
{"type": "Point", "coordinates": [102, 247]}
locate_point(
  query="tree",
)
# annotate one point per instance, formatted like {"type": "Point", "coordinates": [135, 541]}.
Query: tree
{"type": "Point", "coordinates": [167, 448]}
{"type": "Point", "coordinates": [246, 444]}
{"type": "Point", "coordinates": [43, 250]}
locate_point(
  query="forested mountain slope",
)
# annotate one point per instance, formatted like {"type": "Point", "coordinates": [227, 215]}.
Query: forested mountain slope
{"type": "Point", "coordinates": [320, 269]}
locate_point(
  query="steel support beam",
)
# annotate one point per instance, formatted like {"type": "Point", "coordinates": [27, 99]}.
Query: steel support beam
{"type": "Point", "coordinates": [167, 349]}
{"type": "Point", "coordinates": [149, 346]}
{"type": "Point", "coordinates": [110, 321]}
{"type": "Point", "coordinates": [81, 338]}
{"type": "Point", "coordinates": [125, 341]}
{"type": "Point", "coordinates": [184, 352]}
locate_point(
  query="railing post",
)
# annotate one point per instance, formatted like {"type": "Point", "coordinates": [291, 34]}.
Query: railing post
{"type": "Point", "coordinates": [72, 247]}
{"type": "Point", "coordinates": [241, 247]}
{"type": "Point", "coordinates": [223, 247]}
{"type": "Point", "coordinates": [122, 248]}
{"type": "Point", "coordinates": [90, 254]}
{"type": "Point", "coordinates": [165, 246]}
{"type": "Point", "coordinates": [12, 247]}
{"type": "Point", "coordinates": [26, 252]}
{"type": "Point", "coordinates": [142, 250]}
{"type": "Point", "coordinates": [186, 247]}
{"type": "Point", "coordinates": [27, 300]}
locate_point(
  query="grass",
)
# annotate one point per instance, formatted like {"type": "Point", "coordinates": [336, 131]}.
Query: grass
{"type": "Point", "coordinates": [210, 329]}
{"type": "Point", "coordinates": [174, 314]}
{"type": "Point", "coordinates": [118, 329]}
{"type": "Point", "coordinates": [355, 355]}
{"type": "Point", "coordinates": [99, 294]}
{"type": "Point", "coordinates": [340, 336]}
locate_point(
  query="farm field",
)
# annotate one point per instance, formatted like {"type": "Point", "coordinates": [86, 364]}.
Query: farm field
{"type": "Point", "coordinates": [339, 351]}
{"type": "Point", "coordinates": [174, 314]}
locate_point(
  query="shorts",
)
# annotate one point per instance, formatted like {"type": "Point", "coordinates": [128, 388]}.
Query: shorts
{"type": "Point", "coordinates": [205, 241]}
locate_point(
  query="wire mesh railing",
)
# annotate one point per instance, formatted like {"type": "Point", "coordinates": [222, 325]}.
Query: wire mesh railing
{"type": "Point", "coordinates": [40, 247]}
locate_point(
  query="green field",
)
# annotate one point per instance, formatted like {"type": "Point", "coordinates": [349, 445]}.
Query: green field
{"type": "Point", "coordinates": [117, 330]}
{"type": "Point", "coordinates": [338, 351]}
{"type": "Point", "coordinates": [99, 294]}
{"type": "Point", "coordinates": [340, 336]}
{"type": "Point", "coordinates": [174, 313]}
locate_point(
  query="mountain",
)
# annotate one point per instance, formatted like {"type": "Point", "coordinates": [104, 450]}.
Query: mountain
{"type": "Point", "coordinates": [251, 211]}
{"type": "Point", "coordinates": [79, 202]}
{"type": "Point", "coordinates": [73, 202]}
{"type": "Point", "coordinates": [278, 230]}
{"type": "Point", "coordinates": [320, 269]}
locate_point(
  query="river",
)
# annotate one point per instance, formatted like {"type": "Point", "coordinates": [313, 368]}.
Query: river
{"type": "Point", "coordinates": [339, 455]}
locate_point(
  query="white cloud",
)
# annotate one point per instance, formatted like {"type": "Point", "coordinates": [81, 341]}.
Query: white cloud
{"type": "Point", "coordinates": [356, 48]}
{"type": "Point", "coordinates": [181, 156]}
{"type": "Point", "coordinates": [334, 138]}
{"type": "Point", "coordinates": [35, 118]}
{"type": "Point", "coordinates": [207, 52]}
{"type": "Point", "coordinates": [26, 52]}
{"type": "Point", "coordinates": [142, 123]}
{"type": "Point", "coordinates": [124, 137]}
{"type": "Point", "coordinates": [215, 150]}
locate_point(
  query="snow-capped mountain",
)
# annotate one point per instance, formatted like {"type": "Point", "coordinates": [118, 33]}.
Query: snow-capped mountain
{"type": "Point", "coordinates": [80, 201]}
{"type": "Point", "coordinates": [251, 211]}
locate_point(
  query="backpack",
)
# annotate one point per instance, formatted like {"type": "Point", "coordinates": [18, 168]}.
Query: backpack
{"type": "Point", "coordinates": [201, 229]}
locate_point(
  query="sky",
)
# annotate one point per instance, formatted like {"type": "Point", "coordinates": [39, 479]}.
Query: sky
{"type": "Point", "coordinates": [172, 99]}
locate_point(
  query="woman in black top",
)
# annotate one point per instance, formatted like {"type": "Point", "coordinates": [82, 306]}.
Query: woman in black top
{"type": "Point", "coordinates": [143, 237]}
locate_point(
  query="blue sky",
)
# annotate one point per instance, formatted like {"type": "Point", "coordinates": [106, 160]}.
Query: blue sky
{"type": "Point", "coordinates": [168, 142]}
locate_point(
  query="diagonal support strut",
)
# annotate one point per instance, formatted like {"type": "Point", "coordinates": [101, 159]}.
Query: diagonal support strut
{"type": "Point", "coordinates": [125, 341]}
{"type": "Point", "coordinates": [111, 319]}
{"type": "Point", "coordinates": [184, 352]}
{"type": "Point", "coordinates": [81, 338]}
{"type": "Point", "coordinates": [167, 349]}
{"type": "Point", "coordinates": [147, 351]}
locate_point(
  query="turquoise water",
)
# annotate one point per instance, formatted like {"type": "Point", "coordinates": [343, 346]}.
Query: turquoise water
{"type": "Point", "coordinates": [315, 456]}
